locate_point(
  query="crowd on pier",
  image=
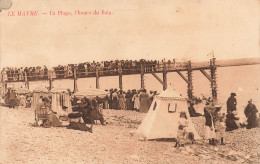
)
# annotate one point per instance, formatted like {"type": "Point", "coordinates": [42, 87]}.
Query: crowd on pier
{"type": "Point", "coordinates": [87, 69]}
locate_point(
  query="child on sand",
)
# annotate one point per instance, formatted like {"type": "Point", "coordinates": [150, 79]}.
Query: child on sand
{"type": "Point", "coordinates": [183, 130]}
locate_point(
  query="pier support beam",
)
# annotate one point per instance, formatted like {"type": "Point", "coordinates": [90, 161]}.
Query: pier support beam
{"type": "Point", "coordinates": [26, 83]}
{"type": "Point", "coordinates": [75, 80]}
{"type": "Point", "coordinates": [188, 80]}
{"type": "Point", "coordinates": [50, 79]}
{"type": "Point", "coordinates": [206, 74]}
{"type": "Point", "coordinates": [97, 79]}
{"type": "Point", "coordinates": [214, 78]}
{"type": "Point", "coordinates": [142, 76]}
{"type": "Point", "coordinates": [182, 76]}
{"type": "Point", "coordinates": [190, 84]}
{"type": "Point", "coordinates": [164, 76]}
{"type": "Point", "coordinates": [157, 78]}
{"type": "Point", "coordinates": [120, 76]}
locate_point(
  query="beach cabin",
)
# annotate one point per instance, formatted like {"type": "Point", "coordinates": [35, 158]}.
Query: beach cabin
{"type": "Point", "coordinates": [37, 93]}
{"type": "Point", "coordinates": [60, 101]}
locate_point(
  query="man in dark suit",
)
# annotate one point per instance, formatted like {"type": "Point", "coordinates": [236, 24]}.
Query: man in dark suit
{"type": "Point", "coordinates": [232, 103]}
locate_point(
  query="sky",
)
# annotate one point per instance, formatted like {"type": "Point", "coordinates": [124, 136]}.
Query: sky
{"type": "Point", "coordinates": [154, 29]}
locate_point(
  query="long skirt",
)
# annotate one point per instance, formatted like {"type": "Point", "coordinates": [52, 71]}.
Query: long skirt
{"type": "Point", "coordinates": [210, 133]}
{"type": "Point", "coordinates": [114, 103]}
{"type": "Point", "coordinates": [128, 104]}
{"type": "Point", "coordinates": [120, 103]}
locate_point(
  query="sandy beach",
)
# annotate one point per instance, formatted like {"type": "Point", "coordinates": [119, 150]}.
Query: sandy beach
{"type": "Point", "coordinates": [115, 142]}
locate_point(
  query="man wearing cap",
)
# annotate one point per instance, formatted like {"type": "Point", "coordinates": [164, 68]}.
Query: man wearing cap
{"type": "Point", "coordinates": [232, 103]}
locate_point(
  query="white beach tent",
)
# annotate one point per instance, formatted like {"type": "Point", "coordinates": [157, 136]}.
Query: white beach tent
{"type": "Point", "coordinates": [161, 121]}
{"type": "Point", "coordinates": [60, 98]}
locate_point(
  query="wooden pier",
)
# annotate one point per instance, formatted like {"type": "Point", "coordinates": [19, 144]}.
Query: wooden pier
{"type": "Point", "coordinates": [181, 68]}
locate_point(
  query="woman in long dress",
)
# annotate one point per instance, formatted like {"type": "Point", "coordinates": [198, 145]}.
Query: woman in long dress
{"type": "Point", "coordinates": [136, 101]}
{"type": "Point", "coordinates": [114, 100]}
{"type": "Point", "coordinates": [121, 101]}
{"type": "Point", "coordinates": [144, 102]}
{"type": "Point", "coordinates": [210, 128]}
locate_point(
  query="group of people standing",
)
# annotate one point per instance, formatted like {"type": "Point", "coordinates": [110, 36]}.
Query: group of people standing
{"type": "Point", "coordinates": [139, 101]}
{"type": "Point", "coordinates": [250, 112]}
{"type": "Point", "coordinates": [218, 123]}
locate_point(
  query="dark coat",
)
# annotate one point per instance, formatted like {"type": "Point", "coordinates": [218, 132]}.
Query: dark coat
{"type": "Point", "coordinates": [231, 103]}
{"type": "Point", "coordinates": [230, 122]}
{"type": "Point", "coordinates": [79, 126]}
{"type": "Point", "coordinates": [208, 117]}
{"type": "Point", "coordinates": [250, 112]}
{"type": "Point", "coordinates": [89, 115]}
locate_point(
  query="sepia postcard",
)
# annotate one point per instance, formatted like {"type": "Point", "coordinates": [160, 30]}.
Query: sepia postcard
{"type": "Point", "coordinates": [129, 81]}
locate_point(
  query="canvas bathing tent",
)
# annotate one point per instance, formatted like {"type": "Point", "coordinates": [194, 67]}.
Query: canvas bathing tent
{"type": "Point", "coordinates": [37, 93]}
{"type": "Point", "coordinates": [60, 101]}
{"type": "Point", "coordinates": [161, 121]}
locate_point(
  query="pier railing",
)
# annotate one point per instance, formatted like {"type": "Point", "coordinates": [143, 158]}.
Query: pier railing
{"type": "Point", "coordinates": [119, 69]}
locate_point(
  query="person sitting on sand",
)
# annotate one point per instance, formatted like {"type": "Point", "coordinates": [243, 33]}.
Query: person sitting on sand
{"type": "Point", "coordinates": [52, 119]}
{"type": "Point", "coordinates": [250, 113]}
{"type": "Point", "coordinates": [183, 130]}
{"type": "Point", "coordinates": [76, 122]}
{"type": "Point", "coordinates": [231, 120]}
